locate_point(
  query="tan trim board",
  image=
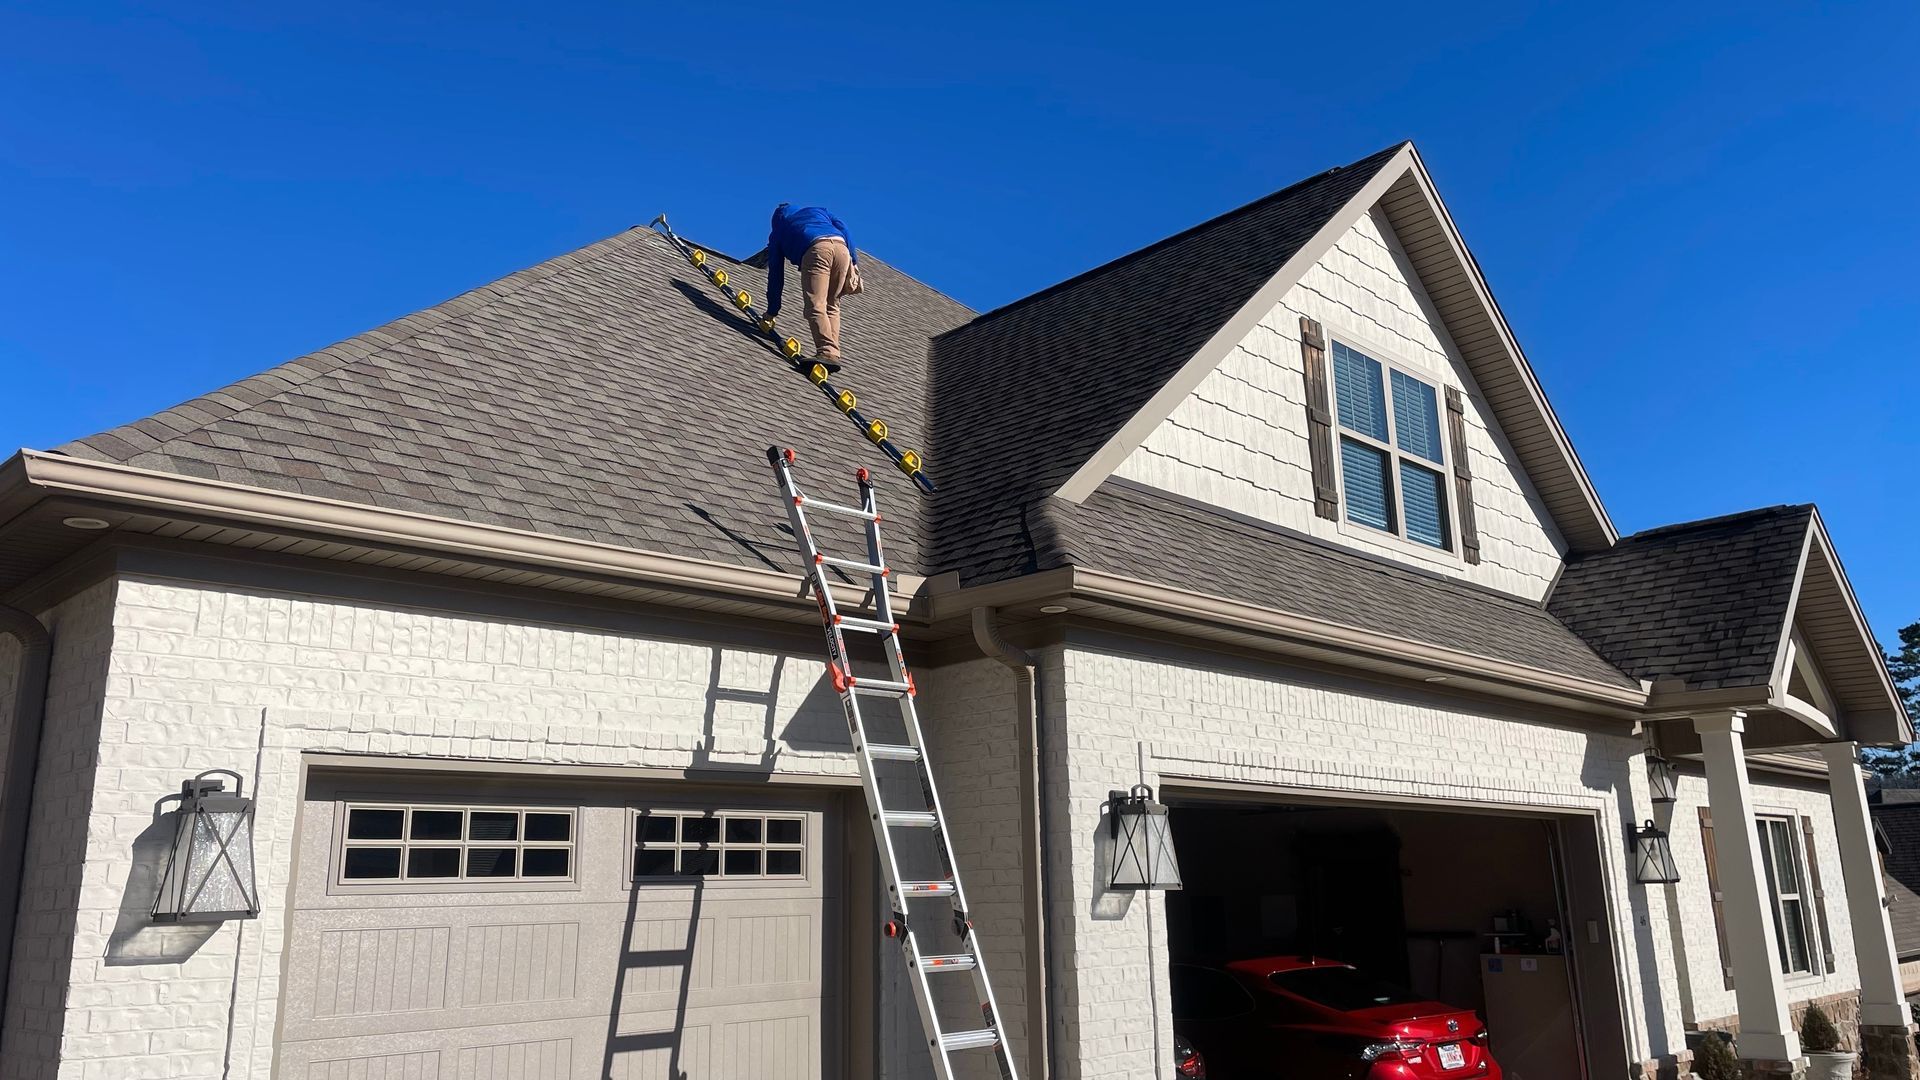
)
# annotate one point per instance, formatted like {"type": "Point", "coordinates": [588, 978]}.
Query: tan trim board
{"type": "Point", "coordinates": [1215, 609]}
{"type": "Point", "coordinates": [320, 759]}
{"type": "Point", "coordinates": [1782, 675]}
{"type": "Point", "coordinates": [1161, 405]}
{"type": "Point", "coordinates": [1174, 785]}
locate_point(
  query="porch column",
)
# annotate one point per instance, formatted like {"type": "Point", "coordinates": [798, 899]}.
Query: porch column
{"type": "Point", "coordinates": [1767, 1041]}
{"type": "Point", "coordinates": [1885, 1028]}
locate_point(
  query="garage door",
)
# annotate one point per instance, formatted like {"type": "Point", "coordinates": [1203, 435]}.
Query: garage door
{"type": "Point", "coordinates": [499, 930]}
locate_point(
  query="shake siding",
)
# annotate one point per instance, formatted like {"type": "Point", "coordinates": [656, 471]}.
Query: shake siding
{"type": "Point", "coordinates": [1240, 440]}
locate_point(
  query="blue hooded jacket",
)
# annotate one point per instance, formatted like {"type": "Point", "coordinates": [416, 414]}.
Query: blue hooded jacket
{"type": "Point", "coordinates": [795, 228]}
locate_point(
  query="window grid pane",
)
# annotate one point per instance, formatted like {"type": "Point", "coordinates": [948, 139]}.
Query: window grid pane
{"type": "Point", "coordinates": [1362, 402]}
{"type": "Point", "coordinates": [1369, 485]}
{"type": "Point", "coordinates": [1416, 417]}
{"type": "Point", "coordinates": [697, 843]}
{"type": "Point", "coordinates": [1423, 492]}
{"type": "Point", "coordinates": [450, 845]}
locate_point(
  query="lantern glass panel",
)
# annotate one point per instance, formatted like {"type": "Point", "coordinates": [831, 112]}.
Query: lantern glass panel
{"type": "Point", "coordinates": [1143, 856]}
{"type": "Point", "coordinates": [209, 874]}
{"type": "Point", "coordinates": [1653, 857]}
{"type": "Point", "coordinates": [1662, 779]}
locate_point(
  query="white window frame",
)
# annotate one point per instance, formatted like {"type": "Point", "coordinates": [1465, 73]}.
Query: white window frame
{"type": "Point", "coordinates": [406, 843]}
{"type": "Point", "coordinates": [721, 845]}
{"type": "Point", "coordinates": [1809, 914]}
{"type": "Point", "coordinates": [1396, 457]}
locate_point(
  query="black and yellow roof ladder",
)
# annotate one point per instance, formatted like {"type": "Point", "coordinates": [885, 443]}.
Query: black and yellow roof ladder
{"type": "Point", "coordinates": [875, 430]}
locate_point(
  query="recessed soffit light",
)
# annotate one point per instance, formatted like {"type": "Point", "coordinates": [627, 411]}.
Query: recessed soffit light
{"type": "Point", "coordinates": [1052, 609]}
{"type": "Point", "coordinates": [90, 524]}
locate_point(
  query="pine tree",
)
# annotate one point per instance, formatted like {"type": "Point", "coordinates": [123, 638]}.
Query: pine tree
{"type": "Point", "coordinates": [1904, 666]}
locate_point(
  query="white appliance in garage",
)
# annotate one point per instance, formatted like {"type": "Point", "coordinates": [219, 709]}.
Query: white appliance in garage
{"type": "Point", "coordinates": [1530, 1016]}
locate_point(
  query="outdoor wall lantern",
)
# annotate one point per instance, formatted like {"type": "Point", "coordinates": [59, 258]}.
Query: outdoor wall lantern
{"type": "Point", "coordinates": [1663, 778]}
{"type": "Point", "coordinates": [1652, 856]}
{"type": "Point", "coordinates": [209, 874]}
{"type": "Point", "coordinates": [1142, 841]}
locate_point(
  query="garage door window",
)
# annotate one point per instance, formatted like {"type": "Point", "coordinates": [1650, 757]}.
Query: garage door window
{"type": "Point", "coordinates": [387, 843]}
{"type": "Point", "coordinates": [701, 843]}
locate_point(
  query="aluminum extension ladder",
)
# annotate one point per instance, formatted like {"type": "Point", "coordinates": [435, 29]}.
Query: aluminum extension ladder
{"type": "Point", "coordinates": [923, 965]}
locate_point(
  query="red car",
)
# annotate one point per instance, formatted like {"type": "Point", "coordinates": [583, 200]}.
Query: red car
{"type": "Point", "coordinates": [1305, 1018]}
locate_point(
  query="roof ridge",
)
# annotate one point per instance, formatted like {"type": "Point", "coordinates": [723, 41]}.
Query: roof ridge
{"type": "Point", "coordinates": [1165, 241]}
{"type": "Point", "coordinates": [218, 404]}
{"type": "Point", "coordinates": [1660, 531]}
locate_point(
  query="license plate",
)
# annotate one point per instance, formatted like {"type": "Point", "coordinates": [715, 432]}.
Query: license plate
{"type": "Point", "coordinates": [1452, 1057]}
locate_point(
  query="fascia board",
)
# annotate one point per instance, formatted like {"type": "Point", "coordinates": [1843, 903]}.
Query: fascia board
{"type": "Point", "coordinates": [1131, 434]}
{"type": "Point", "coordinates": [165, 493]}
{"type": "Point", "coordinates": [1535, 392]}
{"type": "Point", "coordinates": [1179, 603]}
{"type": "Point", "coordinates": [1860, 625]}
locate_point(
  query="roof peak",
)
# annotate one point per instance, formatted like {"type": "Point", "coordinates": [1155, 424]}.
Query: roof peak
{"type": "Point", "coordinates": [1738, 517]}
{"type": "Point", "coordinates": [1376, 158]}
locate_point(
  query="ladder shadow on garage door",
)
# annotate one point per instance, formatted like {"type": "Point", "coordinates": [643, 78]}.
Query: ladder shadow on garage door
{"type": "Point", "coordinates": [634, 960]}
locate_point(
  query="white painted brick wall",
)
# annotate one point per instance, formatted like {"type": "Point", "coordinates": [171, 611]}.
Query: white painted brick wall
{"type": "Point", "coordinates": [1240, 440]}
{"type": "Point", "coordinates": [967, 714]}
{"type": "Point", "coordinates": [1711, 999]}
{"type": "Point", "coordinates": [44, 960]}
{"type": "Point", "coordinates": [1266, 725]}
{"type": "Point", "coordinates": [194, 667]}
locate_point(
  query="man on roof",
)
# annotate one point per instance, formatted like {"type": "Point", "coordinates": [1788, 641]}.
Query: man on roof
{"type": "Point", "coordinates": [817, 242]}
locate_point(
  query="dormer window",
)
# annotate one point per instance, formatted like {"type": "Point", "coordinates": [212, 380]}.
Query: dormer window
{"type": "Point", "coordinates": [1392, 453]}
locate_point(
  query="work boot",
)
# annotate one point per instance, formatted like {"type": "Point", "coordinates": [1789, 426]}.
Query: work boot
{"type": "Point", "coordinates": [832, 366]}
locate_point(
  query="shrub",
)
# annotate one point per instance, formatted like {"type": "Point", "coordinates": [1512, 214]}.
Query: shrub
{"type": "Point", "coordinates": [1817, 1033]}
{"type": "Point", "coordinates": [1713, 1059]}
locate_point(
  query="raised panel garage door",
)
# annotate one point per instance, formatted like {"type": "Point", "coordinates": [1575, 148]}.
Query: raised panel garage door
{"type": "Point", "coordinates": [507, 930]}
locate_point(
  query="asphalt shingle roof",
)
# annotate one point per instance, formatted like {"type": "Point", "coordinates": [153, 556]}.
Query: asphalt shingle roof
{"type": "Point", "coordinates": [1899, 823]}
{"type": "Point", "coordinates": [607, 395]}
{"type": "Point", "coordinates": [610, 395]}
{"type": "Point", "coordinates": [1704, 602]}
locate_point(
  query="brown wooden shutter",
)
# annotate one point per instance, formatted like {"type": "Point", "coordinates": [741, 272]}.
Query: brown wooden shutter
{"type": "Point", "coordinates": [1313, 350]}
{"type": "Point", "coordinates": [1719, 898]}
{"type": "Point", "coordinates": [1462, 475]}
{"type": "Point", "coordinates": [1819, 894]}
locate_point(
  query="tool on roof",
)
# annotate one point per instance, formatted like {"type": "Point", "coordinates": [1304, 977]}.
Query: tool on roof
{"type": "Point", "coordinates": [898, 686]}
{"type": "Point", "coordinates": [876, 431]}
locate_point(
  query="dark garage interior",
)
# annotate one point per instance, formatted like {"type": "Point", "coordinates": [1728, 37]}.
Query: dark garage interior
{"type": "Point", "coordinates": [1464, 908]}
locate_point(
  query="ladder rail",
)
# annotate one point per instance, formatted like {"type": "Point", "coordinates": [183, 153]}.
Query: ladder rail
{"type": "Point", "coordinates": [922, 964]}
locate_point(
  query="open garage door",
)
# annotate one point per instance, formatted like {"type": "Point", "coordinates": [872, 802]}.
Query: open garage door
{"type": "Point", "coordinates": [1463, 921]}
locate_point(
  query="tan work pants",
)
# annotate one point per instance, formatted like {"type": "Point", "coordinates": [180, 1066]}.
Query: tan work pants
{"type": "Point", "coordinates": [823, 278]}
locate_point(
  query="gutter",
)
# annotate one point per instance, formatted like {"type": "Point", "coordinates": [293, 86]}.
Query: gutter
{"type": "Point", "coordinates": [17, 773]}
{"type": "Point", "coordinates": [334, 519]}
{"type": "Point", "coordinates": [1033, 848]}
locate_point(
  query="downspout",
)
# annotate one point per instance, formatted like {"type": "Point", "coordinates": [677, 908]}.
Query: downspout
{"type": "Point", "coordinates": [17, 774]}
{"type": "Point", "coordinates": [1033, 849]}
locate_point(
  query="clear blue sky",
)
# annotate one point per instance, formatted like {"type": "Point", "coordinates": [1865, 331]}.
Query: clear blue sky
{"type": "Point", "coordinates": [1700, 222]}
